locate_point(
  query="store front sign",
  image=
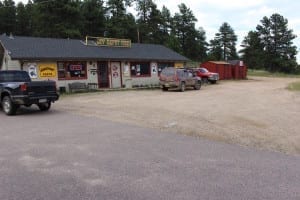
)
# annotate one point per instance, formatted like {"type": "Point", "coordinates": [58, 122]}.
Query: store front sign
{"type": "Point", "coordinates": [75, 67]}
{"type": "Point", "coordinates": [47, 71]}
{"type": "Point", "coordinates": [111, 42]}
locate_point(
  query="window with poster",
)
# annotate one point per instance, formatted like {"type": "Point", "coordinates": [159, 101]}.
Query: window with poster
{"type": "Point", "coordinates": [71, 70]}
{"type": "Point", "coordinates": [140, 69]}
{"type": "Point", "coordinates": [162, 65]}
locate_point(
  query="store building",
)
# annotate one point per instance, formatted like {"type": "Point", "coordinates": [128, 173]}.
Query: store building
{"type": "Point", "coordinates": [99, 62]}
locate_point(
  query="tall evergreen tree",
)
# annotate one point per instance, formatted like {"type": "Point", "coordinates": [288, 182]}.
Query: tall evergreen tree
{"type": "Point", "coordinates": [191, 41]}
{"type": "Point", "coordinates": [7, 16]}
{"type": "Point", "coordinates": [58, 18]}
{"type": "Point", "coordinates": [253, 51]}
{"type": "Point", "coordinates": [277, 40]}
{"type": "Point", "coordinates": [120, 24]}
{"type": "Point", "coordinates": [149, 22]}
{"type": "Point", "coordinates": [215, 50]}
{"type": "Point", "coordinates": [94, 20]}
{"type": "Point", "coordinates": [23, 21]}
{"type": "Point", "coordinates": [226, 38]}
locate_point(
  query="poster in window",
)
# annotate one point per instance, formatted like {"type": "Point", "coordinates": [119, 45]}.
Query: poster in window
{"type": "Point", "coordinates": [154, 68]}
{"type": "Point", "coordinates": [126, 70]}
{"type": "Point", "coordinates": [138, 68]}
{"type": "Point", "coordinates": [47, 70]}
{"type": "Point", "coordinates": [32, 70]}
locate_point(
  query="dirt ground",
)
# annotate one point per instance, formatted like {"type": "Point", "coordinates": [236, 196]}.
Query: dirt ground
{"type": "Point", "coordinates": [258, 112]}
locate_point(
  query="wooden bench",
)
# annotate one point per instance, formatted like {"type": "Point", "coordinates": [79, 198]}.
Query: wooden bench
{"type": "Point", "coordinates": [78, 86]}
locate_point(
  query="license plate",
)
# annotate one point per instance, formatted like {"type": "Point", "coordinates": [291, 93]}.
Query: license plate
{"type": "Point", "coordinates": [42, 100]}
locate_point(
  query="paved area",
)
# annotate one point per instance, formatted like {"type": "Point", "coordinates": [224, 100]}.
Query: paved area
{"type": "Point", "coordinates": [60, 155]}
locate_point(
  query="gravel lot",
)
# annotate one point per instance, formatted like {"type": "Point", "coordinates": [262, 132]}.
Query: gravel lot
{"type": "Point", "coordinates": [258, 112]}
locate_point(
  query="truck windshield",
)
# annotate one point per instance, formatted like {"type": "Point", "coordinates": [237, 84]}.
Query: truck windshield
{"type": "Point", "coordinates": [14, 76]}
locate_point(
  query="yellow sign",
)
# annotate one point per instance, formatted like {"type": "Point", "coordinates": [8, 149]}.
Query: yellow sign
{"type": "Point", "coordinates": [48, 70]}
{"type": "Point", "coordinates": [111, 42]}
{"type": "Point", "coordinates": [179, 65]}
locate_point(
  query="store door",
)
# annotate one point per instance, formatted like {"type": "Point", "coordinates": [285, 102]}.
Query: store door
{"type": "Point", "coordinates": [116, 74]}
{"type": "Point", "coordinates": [102, 70]}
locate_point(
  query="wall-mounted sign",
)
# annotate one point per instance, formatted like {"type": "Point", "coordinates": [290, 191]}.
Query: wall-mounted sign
{"type": "Point", "coordinates": [75, 67]}
{"type": "Point", "coordinates": [32, 70]}
{"type": "Point", "coordinates": [111, 42]}
{"type": "Point", "coordinates": [179, 65]}
{"type": "Point", "coordinates": [154, 68]}
{"type": "Point", "coordinates": [47, 70]}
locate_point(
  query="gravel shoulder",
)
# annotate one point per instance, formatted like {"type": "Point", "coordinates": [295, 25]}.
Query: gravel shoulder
{"type": "Point", "coordinates": [258, 112]}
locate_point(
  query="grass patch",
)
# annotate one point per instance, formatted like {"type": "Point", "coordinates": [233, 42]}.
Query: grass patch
{"type": "Point", "coordinates": [295, 86]}
{"type": "Point", "coordinates": [263, 73]}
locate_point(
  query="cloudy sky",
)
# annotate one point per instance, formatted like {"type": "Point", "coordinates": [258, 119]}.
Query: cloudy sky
{"type": "Point", "coordinates": [242, 15]}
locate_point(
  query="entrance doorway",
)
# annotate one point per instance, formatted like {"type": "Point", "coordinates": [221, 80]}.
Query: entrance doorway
{"type": "Point", "coordinates": [116, 74]}
{"type": "Point", "coordinates": [102, 70]}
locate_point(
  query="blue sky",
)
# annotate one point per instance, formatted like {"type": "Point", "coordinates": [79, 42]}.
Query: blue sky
{"type": "Point", "coordinates": [242, 15]}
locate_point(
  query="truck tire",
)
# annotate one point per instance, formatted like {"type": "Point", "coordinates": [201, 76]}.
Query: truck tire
{"type": "Point", "coordinates": [182, 87]}
{"type": "Point", "coordinates": [8, 106]}
{"type": "Point", "coordinates": [205, 80]}
{"type": "Point", "coordinates": [44, 106]}
{"type": "Point", "coordinates": [164, 88]}
{"type": "Point", "coordinates": [197, 85]}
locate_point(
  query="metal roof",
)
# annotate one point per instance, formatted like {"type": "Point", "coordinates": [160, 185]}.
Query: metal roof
{"type": "Point", "coordinates": [34, 48]}
{"type": "Point", "coordinates": [219, 62]}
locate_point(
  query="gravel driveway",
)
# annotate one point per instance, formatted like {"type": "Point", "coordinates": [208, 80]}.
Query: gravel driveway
{"type": "Point", "coordinates": [258, 112]}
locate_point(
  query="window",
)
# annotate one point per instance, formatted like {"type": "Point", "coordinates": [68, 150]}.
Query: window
{"type": "Point", "coordinates": [71, 70]}
{"type": "Point", "coordinates": [140, 69]}
{"type": "Point", "coordinates": [162, 65]}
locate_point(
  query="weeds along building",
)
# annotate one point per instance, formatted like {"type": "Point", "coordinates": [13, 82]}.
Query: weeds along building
{"type": "Point", "coordinates": [99, 62]}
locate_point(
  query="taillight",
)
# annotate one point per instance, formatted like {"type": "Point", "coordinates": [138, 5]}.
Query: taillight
{"type": "Point", "coordinates": [23, 87]}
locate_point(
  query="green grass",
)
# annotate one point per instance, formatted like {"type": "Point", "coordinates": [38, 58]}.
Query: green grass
{"type": "Point", "coordinates": [263, 73]}
{"type": "Point", "coordinates": [295, 86]}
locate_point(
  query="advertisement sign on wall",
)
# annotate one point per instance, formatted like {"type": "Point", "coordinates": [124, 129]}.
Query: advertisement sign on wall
{"type": "Point", "coordinates": [47, 70]}
{"type": "Point", "coordinates": [32, 70]}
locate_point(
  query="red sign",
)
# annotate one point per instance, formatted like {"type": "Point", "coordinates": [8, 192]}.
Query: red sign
{"type": "Point", "coordinates": [75, 67]}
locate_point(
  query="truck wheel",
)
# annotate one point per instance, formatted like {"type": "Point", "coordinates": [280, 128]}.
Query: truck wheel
{"type": "Point", "coordinates": [182, 87]}
{"type": "Point", "coordinates": [197, 85]}
{"type": "Point", "coordinates": [205, 80]}
{"type": "Point", "coordinates": [164, 88]}
{"type": "Point", "coordinates": [213, 82]}
{"type": "Point", "coordinates": [44, 106]}
{"type": "Point", "coordinates": [8, 106]}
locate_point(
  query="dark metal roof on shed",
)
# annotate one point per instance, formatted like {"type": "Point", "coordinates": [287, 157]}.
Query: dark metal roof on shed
{"type": "Point", "coordinates": [33, 48]}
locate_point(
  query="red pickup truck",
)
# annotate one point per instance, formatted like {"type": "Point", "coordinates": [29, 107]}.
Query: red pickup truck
{"type": "Point", "coordinates": [206, 75]}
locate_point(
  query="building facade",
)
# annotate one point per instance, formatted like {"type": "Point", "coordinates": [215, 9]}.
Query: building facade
{"type": "Point", "coordinates": [98, 62]}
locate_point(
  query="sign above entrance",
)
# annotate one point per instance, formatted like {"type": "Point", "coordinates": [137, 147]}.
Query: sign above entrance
{"type": "Point", "coordinates": [111, 42]}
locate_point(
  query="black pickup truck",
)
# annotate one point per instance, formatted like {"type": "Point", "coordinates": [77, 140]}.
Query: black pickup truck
{"type": "Point", "coordinates": [16, 89]}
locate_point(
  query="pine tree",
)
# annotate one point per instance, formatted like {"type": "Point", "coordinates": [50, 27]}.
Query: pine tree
{"type": "Point", "coordinates": [94, 21]}
{"type": "Point", "coordinates": [7, 16]}
{"type": "Point", "coordinates": [120, 24]}
{"type": "Point", "coordinates": [58, 18]}
{"type": "Point", "coordinates": [253, 51]}
{"type": "Point", "coordinates": [226, 39]}
{"type": "Point", "coordinates": [149, 22]}
{"type": "Point", "coordinates": [192, 41]}
{"type": "Point", "coordinates": [278, 46]}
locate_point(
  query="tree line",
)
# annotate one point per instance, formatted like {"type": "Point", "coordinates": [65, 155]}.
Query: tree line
{"type": "Point", "coordinates": [269, 46]}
